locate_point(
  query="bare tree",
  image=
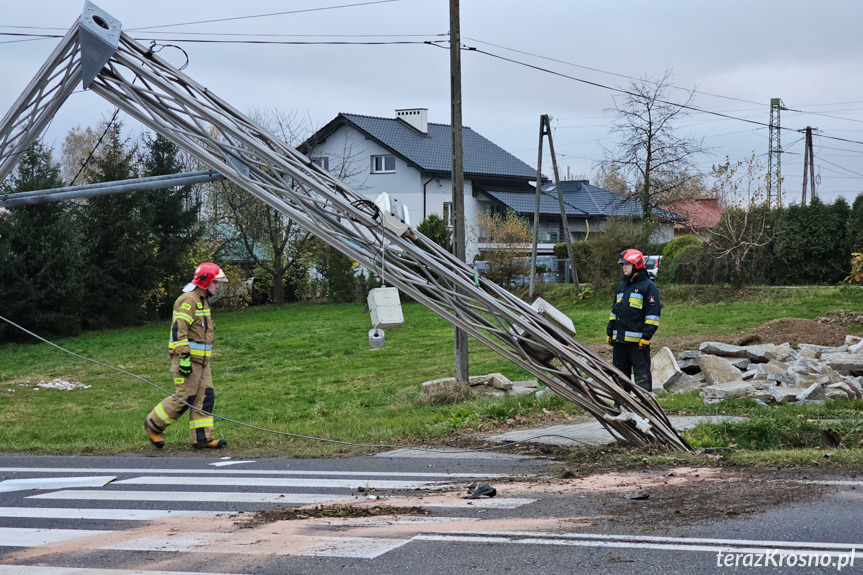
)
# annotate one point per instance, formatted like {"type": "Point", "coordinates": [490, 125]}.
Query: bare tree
{"type": "Point", "coordinates": [655, 158]}
{"type": "Point", "coordinates": [746, 226]}
{"type": "Point", "coordinates": [270, 240]}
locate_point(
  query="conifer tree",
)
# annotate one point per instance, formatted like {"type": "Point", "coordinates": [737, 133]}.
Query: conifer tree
{"type": "Point", "coordinates": [41, 282]}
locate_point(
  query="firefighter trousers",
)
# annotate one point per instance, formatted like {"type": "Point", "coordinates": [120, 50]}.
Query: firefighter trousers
{"type": "Point", "coordinates": [196, 390]}
{"type": "Point", "coordinates": [633, 361]}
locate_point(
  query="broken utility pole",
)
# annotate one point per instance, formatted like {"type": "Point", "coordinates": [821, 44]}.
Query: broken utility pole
{"type": "Point", "coordinates": [545, 130]}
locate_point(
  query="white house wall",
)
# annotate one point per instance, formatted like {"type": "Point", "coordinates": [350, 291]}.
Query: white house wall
{"type": "Point", "coordinates": [349, 154]}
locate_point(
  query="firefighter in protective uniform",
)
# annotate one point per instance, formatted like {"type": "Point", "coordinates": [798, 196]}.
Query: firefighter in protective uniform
{"type": "Point", "coordinates": [634, 319]}
{"type": "Point", "coordinates": [190, 347]}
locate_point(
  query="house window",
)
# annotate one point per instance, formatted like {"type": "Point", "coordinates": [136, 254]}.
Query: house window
{"type": "Point", "coordinates": [383, 164]}
{"type": "Point", "coordinates": [322, 162]}
{"type": "Point", "coordinates": [447, 214]}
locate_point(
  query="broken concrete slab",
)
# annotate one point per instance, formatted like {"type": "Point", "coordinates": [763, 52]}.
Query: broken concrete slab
{"type": "Point", "coordinates": [742, 363]}
{"type": "Point", "coordinates": [856, 384]}
{"type": "Point", "coordinates": [689, 354]}
{"type": "Point", "coordinates": [716, 369]}
{"type": "Point", "coordinates": [520, 390]}
{"type": "Point", "coordinates": [683, 383]}
{"type": "Point", "coordinates": [809, 353]}
{"type": "Point", "coordinates": [729, 390]}
{"type": "Point", "coordinates": [782, 379]}
{"type": "Point", "coordinates": [439, 384]}
{"type": "Point", "coordinates": [758, 353]}
{"type": "Point", "coordinates": [813, 392]}
{"type": "Point", "coordinates": [689, 366]}
{"type": "Point", "coordinates": [834, 394]}
{"type": "Point", "coordinates": [853, 340]}
{"type": "Point", "coordinates": [844, 363]}
{"type": "Point", "coordinates": [663, 368]}
{"type": "Point", "coordinates": [532, 383]}
{"type": "Point", "coordinates": [783, 394]}
{"type": "Point", "coordinates": [804, 380]}
{"type": "Point", "coordinates": [849, 393]}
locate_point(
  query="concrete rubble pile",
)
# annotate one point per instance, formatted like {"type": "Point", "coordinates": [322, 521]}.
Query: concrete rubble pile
{"type": "Point", "coordinates": [767, 373]}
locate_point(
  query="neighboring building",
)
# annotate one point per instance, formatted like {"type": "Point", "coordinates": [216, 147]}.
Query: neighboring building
{"type": "Point", "coordinates": [700, 215]}
{"type": "Point", "coordinates": [587, 210]}
{"type": "Point", "coordinates": [411, 160]}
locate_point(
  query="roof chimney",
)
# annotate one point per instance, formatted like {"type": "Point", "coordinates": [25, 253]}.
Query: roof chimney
{"type": "Point", "coordinates": [416, 118]}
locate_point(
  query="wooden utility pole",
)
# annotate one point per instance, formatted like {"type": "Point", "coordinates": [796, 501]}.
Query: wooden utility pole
{"type": "Point", "coordinates": [545, 130]}
{"type": "Point", "coordinates": [808, 166]}
{"type": "Point", "coordinates": [459, 238]}
{"type": "Point", "coordinates": [536, 214]}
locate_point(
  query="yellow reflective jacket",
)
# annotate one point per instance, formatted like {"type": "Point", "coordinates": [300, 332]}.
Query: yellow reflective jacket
{"type": "Point", "coordinates": [192, 327]}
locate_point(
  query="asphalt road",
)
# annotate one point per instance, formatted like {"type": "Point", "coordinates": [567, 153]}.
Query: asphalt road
{"type": "Point", "coordinates": [163, 515]}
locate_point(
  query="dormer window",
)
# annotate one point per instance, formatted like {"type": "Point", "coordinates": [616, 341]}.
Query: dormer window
{"type": "Point", "coordinates": [383, 164]}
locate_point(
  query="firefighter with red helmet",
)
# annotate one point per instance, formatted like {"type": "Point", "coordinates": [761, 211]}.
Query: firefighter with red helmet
{"type": "Point", "coordinates": [190, 346]}
{"type": "Point", "coordinates": [634, 319]}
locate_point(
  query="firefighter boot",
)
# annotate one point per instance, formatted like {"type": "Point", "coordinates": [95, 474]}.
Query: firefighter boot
{"type": "Point", "coordinates": [154, 436]}
{"type": "Point", "coordinates": [212, 444]}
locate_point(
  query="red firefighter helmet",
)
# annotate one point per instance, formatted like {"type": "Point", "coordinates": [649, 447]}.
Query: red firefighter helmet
{"type": "Point", "coordinates": [634, 257]}
{"type": "Point", "coordinates": [205, 274]}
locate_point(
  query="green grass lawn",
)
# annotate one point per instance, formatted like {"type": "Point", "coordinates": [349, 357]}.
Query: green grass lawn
{"type": "Point", "coordinates": [308, 369]}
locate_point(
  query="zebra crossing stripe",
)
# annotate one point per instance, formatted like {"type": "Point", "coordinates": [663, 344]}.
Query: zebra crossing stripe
{"type": "Point", "coordinates": [280, 482]}
{"type": "Point", "coordinates": [283, 498]}
{"type": "Point", "coordinates": [102, 514]}
{"type": "Point", "coordinates": [300, 545]}
{"type": "Point", "coordinates": [316, 473]}
{"type": "Point", "coordinates": [38, 570]}
{"type": "Point", "coordinates": [196, 496]}
{"type": "Point", "coordinates": [24, 537]}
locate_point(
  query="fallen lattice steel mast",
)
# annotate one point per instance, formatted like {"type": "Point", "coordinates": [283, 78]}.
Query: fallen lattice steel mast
{"type": "Point", "coordinates": [106, 61]}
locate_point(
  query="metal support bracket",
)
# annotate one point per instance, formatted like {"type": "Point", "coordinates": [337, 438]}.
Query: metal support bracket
{"type": "Point", "coordinates": [99, 35]}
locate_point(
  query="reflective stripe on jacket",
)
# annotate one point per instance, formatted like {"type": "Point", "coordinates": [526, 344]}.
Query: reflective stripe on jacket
{"type": "Point", "coordinates": [192, 327]}
{"type": "Point", "coordinates": [635, 311]}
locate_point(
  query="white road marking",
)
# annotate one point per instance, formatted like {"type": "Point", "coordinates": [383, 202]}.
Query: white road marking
{"type": "Point", "coordinates": [318, 473]}
{"type": "Point", "coordinates": [38, 570]}
{"type": "Point", "coordinates": [496, 503]}
{"type": "Point", "coordinates": [22, 537]}
{"type": "Point", "coordinates": [102, 514]}
{"type": "Point", "coordinates": [223, 463]}
{"type": "Point", "coordinates": [648, 542]}
{"type": "Point", "coordinates": [278, 482]}
{"type": "Point", "coordinates": [53, 483]}
{"type": "Point", "coordinates": [196, 496]}
{"type": "Point", "coordinates": [355, 547]}
{"type": "Point", "coordinates": [284, 498]}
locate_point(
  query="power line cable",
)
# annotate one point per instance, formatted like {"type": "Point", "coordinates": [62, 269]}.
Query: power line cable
{"type": "Point", "coordinates": [628, 93]}
{"type": "Point", "coordinates": [235, 18]}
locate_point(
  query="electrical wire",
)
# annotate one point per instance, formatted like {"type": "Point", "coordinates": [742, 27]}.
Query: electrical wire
{"type": "Point", "coordinates": [285, 433]}
{"type": "Point", "coordinates": [629, 93]}
{"type": "Point", "coordinates": [235, 18]}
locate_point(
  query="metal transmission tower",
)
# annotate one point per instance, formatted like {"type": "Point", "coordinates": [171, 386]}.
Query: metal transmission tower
{"type": "Point", "coordinates": [135, 79]}
{"type": "Point", "coordinates": [774, 157]}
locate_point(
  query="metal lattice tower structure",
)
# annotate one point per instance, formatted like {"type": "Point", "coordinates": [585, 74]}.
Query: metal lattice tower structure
{"type": "Point", "coordinates": [97, 54]}
{"type": "Point", "coordinates": [774, 154]}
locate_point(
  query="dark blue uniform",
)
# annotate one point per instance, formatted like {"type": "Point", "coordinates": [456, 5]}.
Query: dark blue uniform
{"type": "Point", "coordinates": [634, 317]}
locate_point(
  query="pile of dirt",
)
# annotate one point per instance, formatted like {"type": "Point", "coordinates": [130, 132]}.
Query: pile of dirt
{"type": "Point", "coordinates": [796, 331]}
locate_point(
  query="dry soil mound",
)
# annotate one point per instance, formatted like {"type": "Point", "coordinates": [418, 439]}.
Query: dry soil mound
{"type": "Point", "coordinates": [795, 331]}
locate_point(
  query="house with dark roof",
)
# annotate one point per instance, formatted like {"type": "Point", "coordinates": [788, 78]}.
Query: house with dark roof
{"type": "Point", "coordinates": [411, 159]}
{"type": "Point", "coordinates": [587, 211]}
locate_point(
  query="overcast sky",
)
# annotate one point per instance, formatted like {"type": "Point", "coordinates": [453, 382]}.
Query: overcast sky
{"type": "Point", "coordinates": [738, 54]}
